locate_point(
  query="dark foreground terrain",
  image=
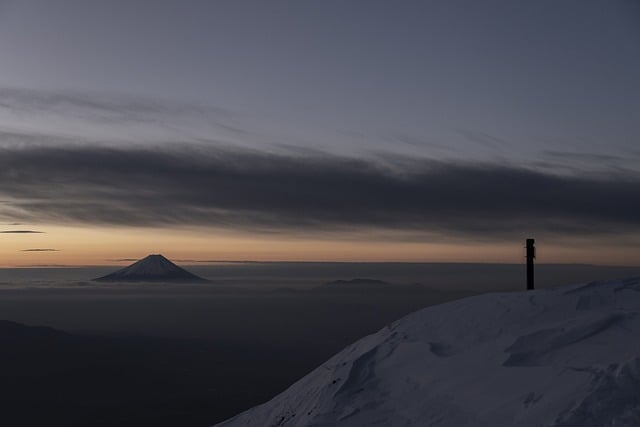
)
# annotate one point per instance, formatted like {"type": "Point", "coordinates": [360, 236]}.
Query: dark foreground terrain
{"type": "Point", "coordinates": [255, 348]}
{"type": "Point", "coordinates": [50, 377]}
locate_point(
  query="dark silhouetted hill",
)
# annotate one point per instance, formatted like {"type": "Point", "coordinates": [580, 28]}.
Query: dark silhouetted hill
{"type": "Point", "coordinates": [52, 378]}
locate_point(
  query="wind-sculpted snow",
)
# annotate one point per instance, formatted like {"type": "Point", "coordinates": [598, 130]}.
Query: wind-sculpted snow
{"type": "Point", "coordinates": [614, 394]}
{"type": "Point", "coordinates": [564, 357]}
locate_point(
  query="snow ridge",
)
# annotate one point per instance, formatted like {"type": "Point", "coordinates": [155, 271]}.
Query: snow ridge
{"type": "Point", "coordinates": [563, 357]}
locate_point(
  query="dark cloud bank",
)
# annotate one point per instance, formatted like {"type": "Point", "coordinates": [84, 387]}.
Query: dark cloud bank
{"type": "Point", "coordinates": [274, 192]}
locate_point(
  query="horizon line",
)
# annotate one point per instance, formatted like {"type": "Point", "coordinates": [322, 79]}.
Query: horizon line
{"type": "Point", "coordinates": [196, 263]}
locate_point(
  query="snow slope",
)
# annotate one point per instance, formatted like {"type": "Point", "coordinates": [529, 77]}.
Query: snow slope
{"type": "Point", "coordinates": [563, 357]}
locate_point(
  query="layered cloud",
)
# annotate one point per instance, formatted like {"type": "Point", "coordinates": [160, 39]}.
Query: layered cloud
{"type": "Point", "coordinates": [266, 192]}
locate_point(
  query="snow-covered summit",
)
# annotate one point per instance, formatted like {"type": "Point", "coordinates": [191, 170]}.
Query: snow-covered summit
{"type": "Point", "coordinates": [153, 268]}
{"type": "Point", "coordinates": [563, 357]}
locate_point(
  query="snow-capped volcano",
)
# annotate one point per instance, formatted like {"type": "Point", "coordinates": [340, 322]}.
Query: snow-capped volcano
{"type": "Point", "coordinates": [153, 268]}
{"type": "Point", "coordinates": [564, 357]}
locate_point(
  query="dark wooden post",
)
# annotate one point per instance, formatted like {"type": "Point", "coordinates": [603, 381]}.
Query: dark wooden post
{"type": "Point", "coordinates": [531, 254]}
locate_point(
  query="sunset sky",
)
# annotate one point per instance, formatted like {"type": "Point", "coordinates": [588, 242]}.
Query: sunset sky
{"type": "Point", "coordinates": [358, 130]}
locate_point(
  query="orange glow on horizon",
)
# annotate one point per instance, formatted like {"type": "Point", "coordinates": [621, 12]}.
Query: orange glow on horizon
{"type": "Point", "coordinates": [77, 246]}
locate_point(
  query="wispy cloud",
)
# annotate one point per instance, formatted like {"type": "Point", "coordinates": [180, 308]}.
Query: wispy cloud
{"type": "Point", "coordinates": [48, 118]}
{"type": "Point", "coordinates": [21, 232]}
{"type": "Point", "coordinates": [100, 106]}
{"type": "Point", "coordinates": [40, 250]}
{"type": "Point", "coordinates": [484, 139]}
{"type": "Point", "coordinates": [262, 192]}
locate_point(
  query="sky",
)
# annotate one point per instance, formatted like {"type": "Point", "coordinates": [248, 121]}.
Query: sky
{"type": "Point", "coordinates": [319, 130]}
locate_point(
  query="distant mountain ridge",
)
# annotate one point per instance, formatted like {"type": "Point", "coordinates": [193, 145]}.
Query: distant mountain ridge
{"type": "Point", "coordinates": [359, 285]}
{"type": "Point", "coordinates": [358, 282]}
{"type": "Point", "coordinates": [153, 268]}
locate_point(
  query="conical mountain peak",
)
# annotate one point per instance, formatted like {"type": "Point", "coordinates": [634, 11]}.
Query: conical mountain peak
{"type": "Point", "coordinates": [152, 268]}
